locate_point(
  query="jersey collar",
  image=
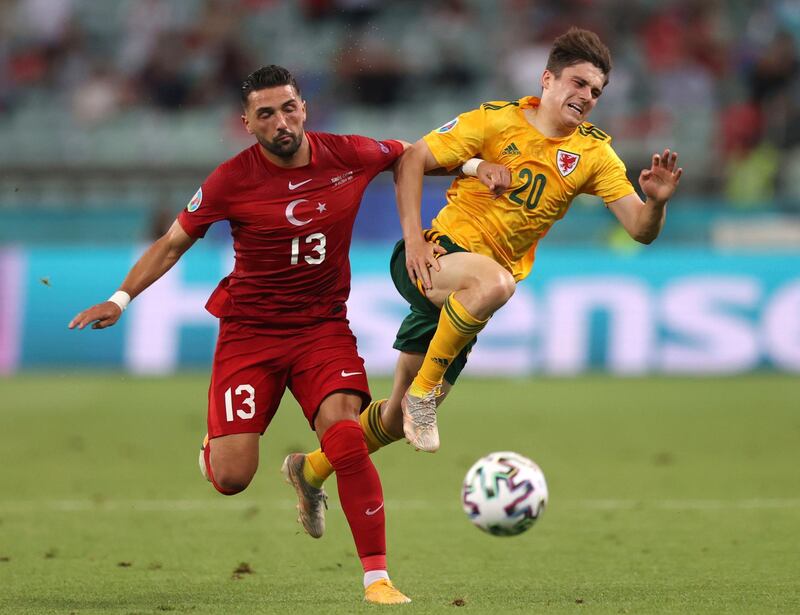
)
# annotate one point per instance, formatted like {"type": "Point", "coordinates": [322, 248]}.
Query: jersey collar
{"type": "Point", "coordinates": [529, 102]}
{"type": "Point", "coordinates": [532, 102]}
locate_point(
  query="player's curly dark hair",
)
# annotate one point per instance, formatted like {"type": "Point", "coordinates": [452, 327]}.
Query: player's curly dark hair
{"type": "Point", "coordinates": [267, 77]}
{"type": "Point", "coordinates": [576, 46]}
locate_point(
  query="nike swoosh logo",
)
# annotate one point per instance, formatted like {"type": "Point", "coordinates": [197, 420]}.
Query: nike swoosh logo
{"type": "Point", "coordinates": [297, 185]}
{"type": "Point", "coordinates": [346, 374]}
{"type": "Point", "coordinates": [371, 512]}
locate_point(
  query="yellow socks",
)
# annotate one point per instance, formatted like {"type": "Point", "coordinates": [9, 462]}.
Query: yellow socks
{"type": "Point", "coordinates": [456, 329]}
{"type": "Point", "coordinates": [317, 468]}
{"type": "Point", "coordinates": [371, 424]}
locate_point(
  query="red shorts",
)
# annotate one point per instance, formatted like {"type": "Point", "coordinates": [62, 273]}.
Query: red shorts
{"type": "Point", "coordinates": [254, 364]}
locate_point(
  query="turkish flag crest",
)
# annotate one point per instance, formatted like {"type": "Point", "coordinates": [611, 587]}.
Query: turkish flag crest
{"type": "Point", "coordinates": [566, 161]}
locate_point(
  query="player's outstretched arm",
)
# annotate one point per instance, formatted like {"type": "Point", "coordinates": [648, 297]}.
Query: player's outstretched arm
{"type": "Point", "coordinates": [644, 219]}
{"type": "Point", "coordinates": [410, 168]}
{"type": "Point", "coordinates": [155, 262]}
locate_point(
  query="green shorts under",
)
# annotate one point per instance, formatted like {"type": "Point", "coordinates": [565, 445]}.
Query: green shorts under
{"type": "Point", "coordinates": [417, 329]}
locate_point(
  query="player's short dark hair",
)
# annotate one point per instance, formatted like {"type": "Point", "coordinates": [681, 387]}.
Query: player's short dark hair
{"type": "Point", "coordinates": [267, 77]}
{"type": "Point", "coordinates": [576, 46]}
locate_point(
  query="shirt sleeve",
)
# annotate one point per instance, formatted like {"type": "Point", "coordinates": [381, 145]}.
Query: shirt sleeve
{"type": "Point", "coordinates": [459, 139]}
{"type": "Point", "coordinates": [376, 156]}
{"type": "Point", "coordinates": [610, 180]}
{"type": "Point", "coordinates": [207, 206]}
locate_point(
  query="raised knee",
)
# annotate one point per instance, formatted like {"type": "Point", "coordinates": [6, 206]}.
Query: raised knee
{"type": "Point", "coordinates": [230, 481]}
{"type": "Point", "coordinates": [499, 289]}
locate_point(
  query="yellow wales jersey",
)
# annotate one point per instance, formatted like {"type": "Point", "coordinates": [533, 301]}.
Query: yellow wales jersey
{"type": "Point", "coordinates": [547, 174]}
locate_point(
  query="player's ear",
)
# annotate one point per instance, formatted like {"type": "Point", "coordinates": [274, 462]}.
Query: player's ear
{"type": "Point", "coordinates": [547, 79]}
{"type": "Point", "coordinates": [246, 124]}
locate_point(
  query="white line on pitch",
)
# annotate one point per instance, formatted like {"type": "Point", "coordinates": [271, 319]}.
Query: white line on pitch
{"type": "Point", "coordinates": [200, 505]}
{"type": "Point", "coordinates": [742, 504]}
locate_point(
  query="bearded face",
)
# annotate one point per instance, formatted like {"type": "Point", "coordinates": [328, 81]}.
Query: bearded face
{"type": "Point", "coordinates": [276, 118]}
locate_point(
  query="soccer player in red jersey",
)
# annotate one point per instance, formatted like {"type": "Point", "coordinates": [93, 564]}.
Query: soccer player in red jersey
{"type": "Point", "coordinates": [291, 200]}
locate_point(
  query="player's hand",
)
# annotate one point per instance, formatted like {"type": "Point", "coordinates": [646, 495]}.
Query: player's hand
{"type": "Point", "coordinates": [496, 177]}
{"type": "Point", "coordinates": [420, 257]}
{"type": "Point", "coordinates": [101, 316]}
{"type": "Point", "coordinates": [660, 180]}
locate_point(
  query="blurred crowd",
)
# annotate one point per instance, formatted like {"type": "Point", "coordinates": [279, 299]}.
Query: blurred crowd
{"type": "Point", "coordinates": [717, 80]}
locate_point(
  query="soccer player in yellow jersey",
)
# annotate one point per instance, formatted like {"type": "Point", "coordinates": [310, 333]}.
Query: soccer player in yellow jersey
{"type": "Point", "coordinates": [554, 154]}
{"type": "Point", "coordinates": [481, 244]}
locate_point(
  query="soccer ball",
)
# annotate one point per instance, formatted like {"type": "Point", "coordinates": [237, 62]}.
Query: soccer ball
{"type": "Point", "coordinates": [504, 493]}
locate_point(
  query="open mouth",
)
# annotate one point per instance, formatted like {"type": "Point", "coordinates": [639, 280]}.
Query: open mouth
{"type": "Point", "coordinates": [576, 108]}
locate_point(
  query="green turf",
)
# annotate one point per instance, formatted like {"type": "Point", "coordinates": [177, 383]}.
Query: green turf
{"type": "Point", "coordinates": [667, 496]}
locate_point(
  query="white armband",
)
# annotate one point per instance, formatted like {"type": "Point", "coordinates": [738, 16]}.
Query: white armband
{"type": "Point", "coordinates": [121, 298]}
{"type": "Point", "coordinates": [470, 167]}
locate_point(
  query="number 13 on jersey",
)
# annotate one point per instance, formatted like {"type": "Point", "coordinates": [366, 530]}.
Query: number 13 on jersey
{"type": "Point", "coordinates": [315, 238]}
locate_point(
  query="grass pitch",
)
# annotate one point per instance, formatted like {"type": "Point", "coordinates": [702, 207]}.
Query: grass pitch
{"type": "Point", "coordinates": [666, 496]}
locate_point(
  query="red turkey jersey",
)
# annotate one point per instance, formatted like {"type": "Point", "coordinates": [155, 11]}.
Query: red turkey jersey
{"type": "Point", "coordinates": [291, 228]}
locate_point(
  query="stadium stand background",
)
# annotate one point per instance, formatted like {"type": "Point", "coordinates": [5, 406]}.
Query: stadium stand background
{"type": "Point", "coordinates": [111, 113]}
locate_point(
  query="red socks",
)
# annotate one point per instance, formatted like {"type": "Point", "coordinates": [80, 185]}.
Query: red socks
{"type": "Point", "coordinates": [360, 491]}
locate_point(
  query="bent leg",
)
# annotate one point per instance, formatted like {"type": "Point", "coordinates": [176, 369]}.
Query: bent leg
{"type": "Point", "coordinates": [479, 283]}
{"type": "Point", "coordinates": [469, 288]}
{"type": "Point", "coordinates": [231, 461]}
{"type": "Point", "coordinates": [247, 382]}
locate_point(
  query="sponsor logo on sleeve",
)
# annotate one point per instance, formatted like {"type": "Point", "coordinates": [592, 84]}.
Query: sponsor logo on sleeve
{"type": "Point", "coordinates": [384, 147]}
{"type": "Point", "coordinates": [196, 201]}
{"type": "Point", "coordinates": [449, 126]}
